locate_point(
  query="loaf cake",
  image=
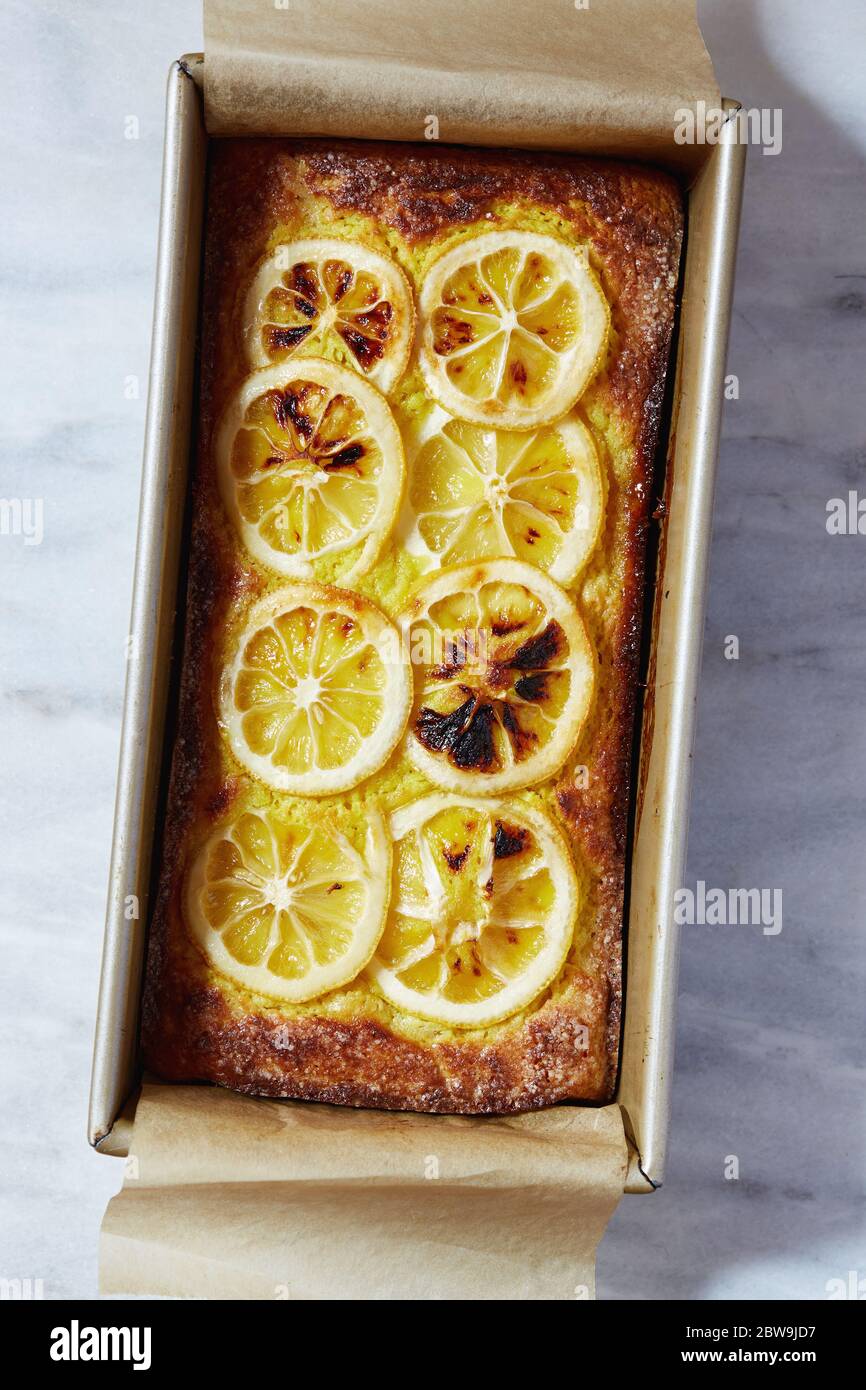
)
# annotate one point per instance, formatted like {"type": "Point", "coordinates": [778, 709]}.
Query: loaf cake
{"type": "Point", "coordinates": [392, 865]}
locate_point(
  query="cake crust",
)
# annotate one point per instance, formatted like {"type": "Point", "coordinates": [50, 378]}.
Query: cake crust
{"type": "Point", "coordinates": [410, 201]}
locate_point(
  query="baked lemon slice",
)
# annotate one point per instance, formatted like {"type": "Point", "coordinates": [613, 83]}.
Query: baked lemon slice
{"type": "Point", "coordinates": [475, 493]}
{"type": "Point", "coordinates": [482, 913]}
{"type": "Point", "coordinates": [331, 298]}
{"type": "Point", "coordinates": [317, 691]}
{"type": "Point", "coordinates": [504, 675]}
{"type": "Point", "coordinates": [286, 911]}
{"type": "Point", "coordinates": [311, 469]}
{"type": "Point", "coordinates": [514, 327]}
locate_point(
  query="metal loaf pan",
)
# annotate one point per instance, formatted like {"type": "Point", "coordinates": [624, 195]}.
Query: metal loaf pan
{"type": "Point", "coordinates": [660, 821]}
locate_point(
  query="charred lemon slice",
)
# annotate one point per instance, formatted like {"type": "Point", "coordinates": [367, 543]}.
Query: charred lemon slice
{"type": "Point", "coordinates": [482, 913]}
{"type": "Point", "coordinates": [514, 327]}
{"type": "Point", "coordinates": [476, 493]}
{"type": "Point", "coordinates": [317, 692]}
{"type": "Point", "coordinates": [289, 912]}
{"type": "Point", "coordinates": [504, 675]}
{"type": "Point", "coordinates": [311, 469]}
{"type": "Point", "coordinates": [335, 299]}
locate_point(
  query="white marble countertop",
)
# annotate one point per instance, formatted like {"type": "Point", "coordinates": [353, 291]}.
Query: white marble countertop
{"type": "Point", "coordinates": [770, 1060]}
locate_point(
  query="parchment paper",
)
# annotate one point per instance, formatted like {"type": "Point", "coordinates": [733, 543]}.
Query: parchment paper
{"type": "Point", "coordinates": [226, 1196]}
{"type": "Point", "coordinates": [538, 73]}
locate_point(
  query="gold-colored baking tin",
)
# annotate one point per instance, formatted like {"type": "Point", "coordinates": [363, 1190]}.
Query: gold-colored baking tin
{"type": "Point", "coordinates": [663, 774]}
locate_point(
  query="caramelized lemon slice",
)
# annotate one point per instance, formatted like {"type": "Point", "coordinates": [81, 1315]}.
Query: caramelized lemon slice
{"type": "Point", "coordinates": [514, 327]}
{"type": "Point", "coordinates": [482, 913]}
{"type": "Point", "coordinates": [317, 692]}
{"type": "Point", "coordinates": [311, 469]}
{"type": "Point", "coordinates": [504, 675]}
{"type": "Point", "coordinates": [289, 912]}
{"type": "Point", "coordinates": [476, 493]}
{"type": "Point", "coordinates": [330, 298]}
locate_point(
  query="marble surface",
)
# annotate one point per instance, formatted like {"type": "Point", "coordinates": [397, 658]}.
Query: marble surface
{"type": "Point", "coordinates": [770, 1060]}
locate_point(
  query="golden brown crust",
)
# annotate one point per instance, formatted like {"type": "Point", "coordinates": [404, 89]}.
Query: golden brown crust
{"type": "Point", "coordinates": [194, 1026]}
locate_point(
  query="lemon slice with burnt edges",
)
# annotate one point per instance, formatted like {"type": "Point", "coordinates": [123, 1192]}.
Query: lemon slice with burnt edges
{"type": "Point", "coordinates": [329, 298]}
{"type": "Point", "coordinates": [317, 692]}
{"type": "Point", "coordinates": [311, 469]}
{"type": "Point", "coordinates": [504, 676]}
{"type": "Point", "coordinates": [475, 493]}
{"type": "Point", "coordinates": [514, 327]}
{"type": "Point", "coordinates": [483, 910]}
{"type": "Point", "coordinates": [289, 911]}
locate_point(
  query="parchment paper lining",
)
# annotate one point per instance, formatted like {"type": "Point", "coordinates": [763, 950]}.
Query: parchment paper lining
{"type": "Point", "coordinates": [608, 78]}
{"type": "Point", "coordinates": [226, 1196]}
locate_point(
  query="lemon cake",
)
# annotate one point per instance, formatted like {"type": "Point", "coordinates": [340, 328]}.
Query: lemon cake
{"type": "Point", "coordinates": [393, 859]}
